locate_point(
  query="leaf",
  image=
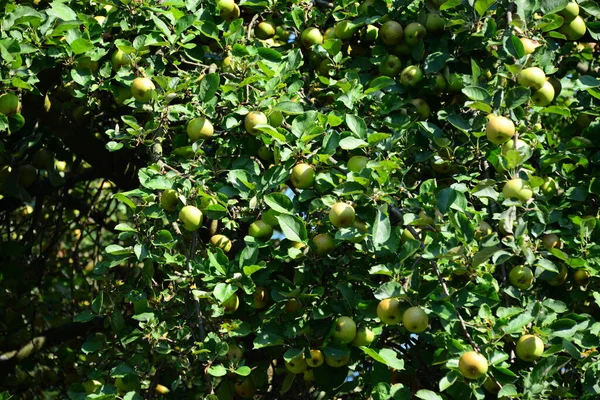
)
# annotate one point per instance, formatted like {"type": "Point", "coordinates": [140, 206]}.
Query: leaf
{"type": "Point", "coordinates": [428, 395]}
{"type": "Point", "coordinates": [357, 125]}
{"type": "Point", "coordinates": [267, 339]}
{"type": "Point", "coordinates": [517, 96]}
{"type": "Point", "coordinates": [217, 370]}
{"type": "Point", "coordinates": [516, 324]}
{"type": "Point", "coordinates": [589, 81]}
{"type": "Point", "coordinates": [351, 143]}
{"type": "Point", "coordinates": [80, 46]}
{"type": "Point", "coordinates": [208, 87]}
{"type": "Point", "coordinates": [435, 62]}
{"type": "Point", "coordinates": [269, 54]}
{"type": "Point", "coordinates": [292, 227]}
{"type": "Point", "coordinates": [61, 11]}
{"type": "Point", "coordinates": [382, 227]}
{"type": "Point", "coordinates": [449, 198]}
{"type": "Point", "coordinates": [514, 46]}
{"type": "Point", "coordinates": [223, 291]}
{"type": "Point", "coordinates": [388, 290]}
{"type": "Point", "coordinates": [477, 93]}
{"type": "Point", "coordinates": [280, 202]}
{"type": "Point", "coordinates": [508, 390]}
{"type": "Point", "coordinates": [289, 107]}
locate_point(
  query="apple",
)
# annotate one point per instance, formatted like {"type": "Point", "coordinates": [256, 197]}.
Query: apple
{"type": "Point", "coordinates": [499, 129]}
{"type": "Point", "coordinates": [521, 277]}
{"type": "Point", "coordinates": [260, 298]}
{"type": "Point", "coordinates": [142, 89]}
{"type": "Point", "coordinates": [402, 49]}
{"type": "Point", "coordinates": [325, 66]}
{"type": "Point", "coordinates": [371, 33]}
{"type": "Point", "coordinates": [275, 118]}
{"type": "Point", "coordinates": [363, 9]}
{"type": "Point", "coordinates": [303, 176]}
{"type": "Point", "coordinates": [5, 171]}
{"type": "Point", "coordinates": [341, 215]}
{"type": "Point", "coordinates": [440, 83]}
{"type": "Point", "coordinates": [91, 386]}
{"type": "Point", "coordinates": [246, 388]}
{"type": "Point", "coordinates": [316, 358]}
{"type": "Point", "coordinates": [230, 15]}
{"type": "Point", "coordinates": [309, 375]}
{"type": "Point", "coordinates": [357, 163]}
{"type": "Point", "coordinates": [512, 145]}
{"type": "Point", "coordinates": [529, 45]}
{"type": "Point", "coordinates": [43, 159]}
{"type": "Point", "coordinates": [119, 59]}
{"type": "Point", "coordinates": [390, 66]}
{"type": "Point", "coordinates": [434, 23]}
{"type": "Point", "coordinates": [9, 104]}
{"type": "Point", "coordinates": [225, 5]}
{"type": "Point", "coordinates": [260, 230]}
{"type": "Point", "coordinates": [411, 75]}
{"type": "Point", "coordinates": [414, 33]}
{"type": "Point", "coordinates": [570, 11]}
{"type": "Point", "coordinates": [27, 175]}
{"type": "Point", "coordinates": [265, 154]}
{"type": "Point", "coordinates": [561, 277]}
{"type": "Point", "coordinates": [234, 353]}
{"type": "Point", "coordinates": [323, 244]}
{"type": "Point", "coordinates": [551, 241]}
{"type": "Point", "coordinates": [532, 77]}
{"type": "Point", "coordinates": [423, 110]}
{"type": "Point", "coordinates": [575, 29]}
{"type": "Point", "coordinates": [517, 188]}
{"type": "Point", "coordinates": [191, 218]}
{"type": "Point", "coordinates": [529, 348]}
{"type": "Point", "coordinates": [543, 96]}
{"type": "Point", "coordinates": [549, 187]}
{"type": "Point", "coordinates": [311, 36]}
{"type": "Point", "coordinates": [222, 242]}
{"type": "Point", "coordinates": [252, 119]}
{"type": "Point", "coordinates": [168, 200]}
{"type": "Point", "coordinates": [121, 94]}
{"type": "Point", "coordinates": [296, 365]}
{"type": "Point", "coordinates": [455, 83]}
{"type": "Point", "coordinates": [337, 362]}
{"type": "Point", "coordinates": [128, 383]}
{"type": "Point", "coordinates": [389, 311]}
{"type": "Point", "coordinates": [483, 230]}
{"type": "Point", "coordinates": [581, 277]}
{"type": "Point", "coordinates": [491, 386]}
{"type": "Point", "coordinates": [231, 304]}
{"type": "Point", "coordinates": [391, 33]}
{"type": "Point", "coordinates": [86, 62]}
{"type": "Point", "coordinates": [199, 128]}
{"type": "Point", "coordinates": [415, 320]}
{"type": "Point", "coordinates": [345, 330]}
{"type": "Point", "coordinates": [364, 336]}
{"type": "Point", "coordinates": [472, 365]}
{"type": "Point", "coordinates": [329, 34]}
{"type": "Point", "coordinates": [265, 30]}
{"type": "Point", "coordinates": [292, 305]}
{"type": "Point", "coordinates": [345, 29]}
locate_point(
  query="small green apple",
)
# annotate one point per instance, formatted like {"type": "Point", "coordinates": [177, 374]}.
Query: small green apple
{"type": "Point", "coordinates": [260, 230]}
{"type": "Point", "coordinates": [191, 218]}
{"type": "Point", "coordinates": [226, 5]}
{"type": "Point", "coordinates": [434, 23]}
{"type": "Point", "coordinates": [86, 62]}
{"type": "Point", "coordinates": [414, 33]}
{"type": "Point", "coordinates": [499, 129]}
{"type": "Point", "coordinates": [440, 83]}
{"type": "Point", "coordinates": [415, 320]}
{"type": "Point", "coordinates": [222, 242]}
{"type": "Point", "coordinates": [337, 362]}
{"type": "Point", "coordinates": [303, 176]}
{"type": "Point", "coordinates": [529, 348]}
{"type": "Point", "coordinates": [311, 36]}
{"type": "Point", "coordinates": [390, 66]}
{"type": "Point", "coordinates": [364, 336]}
{"type": "Point", "coordinates": [391, 33]}
{"type": "Point", "coordinates": [423, 110]}
{"type": "Point", "coordinates": [252, 119]}
{"type": "Point", "coordinates": [231, 304]}
{"type": "Point", "coordinates": [168, 199]}
{"type": "Point", "coordinates": [549, 187]}
{"type": "Point", "coordinates": [121, 94]}
{"type": "Point", "coordinates": [292, 305]}
{"type": "Point", "coordinates": [570, 12]}
{"type": "Point", "coordinates": [345, 29]}
{"type": "Point", "coordinates": [561, 277]}
{"type": "Point", "coordinates": [27, 175]}
{"type": "Point", "coordinates": [455, 82]}
{"type": "Point", "coordinates": [575, 29]}
{"type": "Point", "coordinates": [371, 33]}
{"type": "Point", "coordinates": [296, 365]}
{"type": "Point", "coordinates": [390, 311]}
{"type": "Point", "coordinates": [246, 388]}
{"type": "Point", "coordinates": [275, 118]}
{"type": "Point", "coordinates": [519, 145]}
{"type": "Point", "coordinates": [199, 128]}
{"type": "Point", "coordinates": [517, 188]}
{"type": "Point", "coordinates": [142, 89]}
{"type": "Point", "coordinates": [9, 104]}
{"type": "Point", "coordinates": [544, 96]}
{"type": "Point", "coordinates": [234, 353]}
{"type": "Point", "coordinates": [265, 154]}
{"type": "Point", "coordinates": [230, 15]}
{"type": "Point", "coordinates": [529, 45]}
{"type": "Point", "coordinates": [345, 330]}
{"type": "Point", "coordinates": [357, 163]}
{"type": "Point", "coordinates": [581, 277]}
{"type": "Point", "coordinates": [260, 298]}
{"type": "Point", "coordinates": [264, 30]}
{"type": "Point", "coordinates": [411, 75]}
{"type": "Point", "coordinates": [341, 215]}
{"type": "Point", "coordinates": [472, 365]}
{"type": "Point", "coordinates": [119, 59]}
{"type": "Point", "coordinates": [128, 383]}
{"type": "Point", "coordinates": [316, 358]}
{"type": "Point", "coordinates": [532, 77]}
{"type": "Point", "coordinates": [324, 244]}
{"type": "Point", "coordinates": [521, 277]}
{"type": "Point", "coordinates": [43, 159]}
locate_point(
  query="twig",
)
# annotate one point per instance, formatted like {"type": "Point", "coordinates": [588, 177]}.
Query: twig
{"type": "Point", "coordinates": [194, 299]}
{"type": "Point", "coordinates": [251, 25]}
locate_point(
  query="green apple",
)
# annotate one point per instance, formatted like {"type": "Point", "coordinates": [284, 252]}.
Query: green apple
{"type": "Point", "coordinates": [402, 49]}
{"type": "Point", "coordinates": [415, 320]}
{"type": "Point", "coordinates": [142, 89]}
{"type": "Point", "coordinates": [311, 36]}
{"type": "Point", "coordinates": [324, 244]}
{"type": "Point", "coordinates": [231, 304]}
{"type": "Point", "coordinates": [472, 365]}
{"type": "Point", "coordinates": [390, 311]}
{"type": "Point", "coordinates": [329, 34]}
{"type": "Point", "coordinates": [292, 305]}
{"type": "Point", "coordinates": [121, 94]}
{"type": "Point", "coordinates": [206, 201]}
{"type": "Point", "coordinates": [491, 386]}
{"type": "Point", "coordinates": [583, 121]}
{"type": "Point", "coordinates": [260, 230]}
{"type": "Point", "coordinates": [521, 277]}
{"type": "Point", "coordinates": [270, 217]}
{"type": "Point", "coordinates": [414, 33]}
{"type": "Point", "coordinates": [234, 353]}
{"type": "Point", "coordinates": [303, 176]}
{"type": "Point", "coordinates": [440, 83]}
{"type": "Point", "coordinates": [517, 188]}
{"type": "Point", "coordinates": [128, 383]}
{"type": "Point", "coordinates": [455, 83]}
{"type": "Point", "coordinates": [581, 277]}
{"type": "Point", "coordinates": [345, 29]}
{"type": "Point", "coordinates": [570, 11]}
{"type": "Point", "coordinates": [363, 9]}
{"type": "Point", "coordinates": [222, 242]}
{"type": "Point", "coordinates": [86, 62]}
{"type": "Point", "coordinates": [43, 159]}
{"type": "Point", "coordinates": [275, 118]}
{"type": "Point", "coordinates": [364, 336]}
{"type": "Point", "coordinates": [265, 30]}
{"type": "Point", "coordinates": [27, 175]}
{"type": "Point", "coordinates": [483, 230]}
{"type": "Point", "coordinates": [575, 29]}
{"type": "Point", "coordinates": [119, 59]}
{"type": "Point", "coordinates": [252, 119]}
{"type": "Point", "coordinates": [390, 66]}
{"type": "Point", "coordinates": [532, 77]}
{"type": "Point", "coordinates": [345, 330]}
{"type": "Point", "coordinates": [556, 85]}
{"type": "Point", "coordinates": [391, 33]}
{"type": "Point", "coordinates": [199, 128]}
{"type": "Point", "coordinates": [357, 163]}
{"type": "Point", "coordinates": [529, 348]}
{"type": "Point", "coordinates": [325, 66]}
{"type": "Point", "coordinates": [9, 104]}
{"type": "Point", "coordinates": [341, 215]}
{"type": "Point", "coordinates": [561, 277]}
{"type": "Point", "coordinates": [411, 75]}
{"type": "Point", "coordinates": [225, 5]}
{"type": "Point", "coordinates": [168, 199]}
{"type": "Point", "coordinates": [549, 187]}
{"type": "Point", "coordinates": [519, 145]}
{"type": "Point", "coordinates": [91, 386]}
{"type": "Point", "coordinates": [246, 388]}
{"type": "Point", "coordinates": [308, 375]}
{"type": "Point", "coordinates": [423, 110]}
{"type": "Point", "coordinates": [544, 96]}
{"type": "Point", "coordinates": [337, 362]}
{"type": "Point", "coordinates": [265, 154]}
{"type": "Point", "coordinates": [191, 218]}
{"type": "Point", "coordinates": [316, 358]}
{"type": "Point", "coordinates": [529, 45]}
{"type": "Point", "coordinates": [296, 365]}
{"type": "Point", "coordinates": [260, 298]}
{"type": "Point", "coordinates": [230, 15]}
{"type": "Point", "coordinates": [499, 129]}
{"type": "Point", "coordinates": [434, 23]}
{"type": "Point", "coordinates": [5, 171]}
{"type": "Point", "coordinates": [371, 33]}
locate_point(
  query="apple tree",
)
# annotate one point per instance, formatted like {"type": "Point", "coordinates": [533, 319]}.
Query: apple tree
{"type": "Point", "coordinates": [299, 199]}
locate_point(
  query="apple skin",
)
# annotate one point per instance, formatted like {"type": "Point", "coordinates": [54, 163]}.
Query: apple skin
{"type": "Point", "coordinates": [309, 375]}
{"type": "Point", "coordinates": [252, 119]}
{"type": "Point", "coordinates": [296, 365]}
{"type": "Point", "coordinates": [517, 188]}
{"type": "Point", "coordinates": [543, 96]}
{"type": "Point", "coordinates": [521, 277]}
{"type": "Point", "coordinates": [142, 89]}
{"type": "Point", "coordinates": [561, 277]}
{"type": "Point", "coordinates": [455, 83]}
{"type": "Point", "coordinates": [389, 311]}
{"type": "Point", "coordinates": [491, 386]}
{"type": "Point", "coordinates": [43, 159]}
{"type": "Point", "coordinates": [231, 304]}
{"type": "Point", "coordinates": [27, 175]}
{"type": "Point", "coordinates": [316, 358]}
{"type": "Point", "coordinates": [414, 33]}
{"type": "Point", "coordinates": [341, 215]}
{"type": "Point", "coordinates": [222, 242]}
{"type": "Point", "coordinates": [512, 145]}
{"type": "Point", "coordinates": [364, 336]}
{"type": "Point", "coordinates": [551, 240]}
{"type": "Point", "coordinates": [411, 75]}
{"type": "Point", "coordinates": [391, 66]}
{"type": "Point", "coordinates": [363, 8]}
{"type": "Point", "coordinates": [532, 77]}
{"type": "Point", "coordinates": [357, 163]}
{"type": "Point", "coordinates": [529, 45]}
{"type": "Point", "coordinates": [440, 83]}
{"type": "Point", "coordinates": [292, 305]}
{"type": "Point", "coordinates": [549, 187]}
{"type": "Point", "coordinates": [275, 118]}
{"type": "Point", "coordinates": [127, 384]}
{"type": "Point", "coordinates": [121, 94]}
{"type": "Point", "coordinates": [434, 23]}
{"type": "Point", "coordinates": [234, 353]}
{"type": "Point", "coordinates": [199, 128]}
{"type": "Point", "coordinates": [581, 277]}
{"type": "Point", "coordinates": [9, 104]}
{"type": "Point", "coordinates": [529, 348]}
{"type": "Point", "coordinates": [324, 244]}
{"type": "Point", "coordinates": [260, 230]}
{"type": "Point", "coordinates": [260, 298]}
{"type": "Point", "coordinates": [423, 110]}
{"type": "Point", "coordinates": [311, 36]}
{"type": "Point", "coordinates": [191, 218]}
{"type": "Point", "coordinates": [230, 15]}
{"type": "Point", "coordinates": [570, 11]}
{"type": "Point", "coordinates": [415, 320]}
{"type": "Point", "coordinates": [483, 230]}
{"type": "Point", "coordinates": [499, 129]}
{"type": "Point", "coordinates": [246, 388]}
{"type": "Point", "coordinates": [225, 5]}
{"type": "Point", "coordinates": [472, 365]}
{"type": "Point", "coordinates": [264, 30]}
{"type": "Point", "coordinates": [391, 33]}
{"type": "Point", "coordinates": [345, 29]}
{"type": "Point", "coordinates": [371, 33]}
{"type": "Point", "coordinates": [303, 176]}
{"type": "Point", "coordinates": [337, 362]}
{"type": "Point", "coordinates": [575, 29]}
{"type": "Point", "coordinates": [119, 59]}
{"type": "Point", "coordinates": [168, 200]}
{"type": "Point", "coordinates": [345, 330]}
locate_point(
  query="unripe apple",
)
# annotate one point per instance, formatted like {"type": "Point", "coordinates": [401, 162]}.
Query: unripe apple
{"type": "Point", "coordinates": [472, 365]}
{"type": "Point", "coordinates": [561, 277]}
{"type": "Point", "coordinates": [414, 33]}
{"type": "Point", "coordinates": [499, 129]}
{"type": "Point", "coordinates": [364, 336]}
{"type": "Point", "coordinates": [345, 29]}
{"type": "Point", "coordinates": [119, 59]}
{"type": "Point", "coordinates": [275, 118]}
{"type": "Point", "coordinates": [43, 159]}
{"type": "Point", "coordinates": [142, 89]}
{"type": "Point", "coordinates": [391, 33]}
{"type": "Point", "coordinates": [325, 66]}
{"type": "Point", "coordinates": [390, 66]}
{"type": "Point", "coordinates": [191, 218]}
{"type": "Point", "coordinates": [341, 215]}
{"type": "Point", "coordinates": [246, 388]}
{"type": "Point", "coordinates": [265, 30]}
{"type": "Point", "coordinates": [483, 230]}
{"type": "Point", "coordinates": [543, 96]}
{"type": "Point", "coordinates": [308, 375]}
{"type": "Point", "coordinates": [222, 242]}
{"type": "Point", "coordinates": [357, 163]}
{"type": "Point", "coordinates": [570, 11]}
{"type": "Point", "coordinates": [575, 29]}
{"type": "Point", "coordinates": [529, 45]}
{"type": "Point", "coordinates": [521, 277]}
{"type": "Point", "coordinates": [260, 298]}
{"type": "Point", "coordinates": [296, 365]}
{"type": "Point", "coordinates": [127, 383]}
{"type": "Point", "coordinates": [311, 36]}
{"type": "Point", "coordinates": [292, 305]}
{"type": "Point", "coordinates": [86, 62]}
{"type": "Point", "coordinates": [423, 110]}
{"type": "Point", "coordinates": [168, 200]}
{"type": "Point", "coordinates": [415, 320]}
{"type": "Point", "coordinates": [512, 145]}
{"type": "Point", "coordinates": [199, 128]}
{"type": "Point", "coordinates": [329, 34]}
{"type": "Point", "coordinates": [230, 15]}
{"type": "Point", "coordinates": [260, 230]}
{"type": "Point", "coordinates": [161, 389]}
{"type": "Point", "coordinates": [529, 348]}
{"type": "Point", "coordinates": [265, 154]}
{"type": "Point", "coordinates": [371, 33]}
{"type": "Point", "coordinates": [27, 175]}
{"type": "Point", "coordinates": [390, 311]}
{"type": "Point", "coordinates": [411, 75]}
{"type": "Point", "coordinates": [5, 171]}
{"type": "Point", "coordinates": [303, 176]}
{"type": "Point", "coordinates": [337, 362]}
{"type": "Point", "coordinates": [91, 386]}
{"type": "Point", "coordinates": [234, 353]}
{"type": "Point", "coordinates": [581, 277]}
{"type": "Point", "coordinates": [324, 244]}
{"type": "Point", "coordinates": [551, 241]}
{"type": "Point", "coordinates": [226, 5]}
{"type": "Point", "coordinates": [455, 83]}
{"type": "Point", "coordinates": [517, 188]}
{"type": "Point", "coordinates": [316, 358]}
{"type": "Point", "coordinates": [532, 77]}
{"type": "Point", "coordinates": [252, 119]}
{"type": "Point", "coordinates": [434, 23]}
{"type": "Point", "coordinates": [122, 94]}
{"type": "Point", "coordinates": [363, 9]}
{"type": "Point", "coordinates": [491, 386]}
{"type": "Point", "coordinates": [345, 330]}
{"type": "Point", "coordinates": [231, 304]}
{"type": "Point", "coordinates": [549, 187]}
{"type": "Point", "coordinates": [9, 104]}
{"type": "Point", "coordinates": [440, 83]}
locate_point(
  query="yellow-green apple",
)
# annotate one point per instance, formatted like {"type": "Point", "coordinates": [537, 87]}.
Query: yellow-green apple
{"type": "Point", "coordinates": [561, 277]}
{"type": "Point", "coordinates": [440, 83]}
{"type": "Point", "coordinates": [575, 29]}
{"type": "Point", "coordinates": [434, 23]}
{"type": "Point", "coordinates": [499, 129]}
{"type": "Point", "coordinates": [549, 187]}
{"type": "Point", "coordinates": [292, 305]}
{"type": "Point", "coordinates": [371, 33]}
{"type": "Point", "coordinates": [252, 119]}
{"type": "Point", "coordinates": [9, 104]}
{"type": "Point", "coordinates": [345, 29]}
{"type": "Point", "coordinates": [168, 199]}
{"type": "Point", "coordinates": [199, 128]}
{"type": "Point", "coordinates": [311, 36]}
{"type": "Point", "coordinates": [225, 5]}
{"type": "Point", "coordinates": [529, 45]}
{"type": "Point", "coordinates": [222, 242]}
{"type": "Point", "coordinates": [260, 230]}
{"type": "Point", "coordinates": [337, 362]}
{"type": "Point", "coordinates": [345, 330]}
{"type": "Point", "coordinates": [529, 348]}
{"type": "Point", "coordinates": [191, 218]}
{"type": "Point", "coordinates": [246, 388]}
{"type": "Point", "coordinates": [91, 386]}
{"type": "Point", "coordinates": [517, 188]}
{"type": "Point", "coordinates": [121, 94]}
{"type": "Point", "coordinates": [414, 33]}
{"type": "Point", "coordinates": [483, 230]}
{"type": "Point", "coordinates": [544, 96]}
{"type": "Point", "coordinates": [364, 336]}
{"type": "Point", "coordinates": [455, 83]}
{"type": "Point", "coordinates": [303, 176]}
{"type": "Point", "coordinates": [264, 30]}
{"type": "Point", "coordinates": [323, 244]}
{"type": "Point", "coordinates": [423, 110]}
{"type": "Point", "coordinates": [514, 145]}
{"type": "Point", "coordinates": [390, 66]}
{"type": "Point", "coordinates": [391, 33]}
{"type": "Point", "coordinates": [329, 34]}
{"type": "Point", "coordinates": [231, 304]}
{"type": "Point", "coordinates": [308, 375]}
{"type": "Point", "coordinates": [260, 298]}
{"type": "Point", "coordinates": [363, 8]}
{"type": "Point", "coordinates": [296, 365]}
{"type": "Point", "coordinates": [415, 320]}
{"type": "Point", "coordinates": [491, 386]}
{"type": "Point", "coordinates": [521, 277]}
{"type": "Point", "coordinates": [551, 241]}
{"type": "Point", "coordinates": [142, 89]}
{"type": "Point", "coordinates": [581, 277]}
{"type": "Point", "coordinates": [316, 358]}
{"type": "Point", "coordinates": [532, 77]}
{"type": "Point", "coordinates": [275, 118]}
{"type": "Point", "coordinates": [472, 365]}
{"type": "Point", "coordinates": [341, 215]}
{"type": "Point", "coordinates": [570, 11]}
{"type": "Point", "coordinates": [234, 353]}
{"type": "Point", "coordinates": [230, 15]}
{"type": "Point", "coordinates": [357, 163]}
{"type": "Point", "coordinates": [43, 159]}
{"type": "Point", "coordinates": [86, 62]}
{"type": "Point", "coordinates": [119, 59]}
{"type": "Point", "coordinates": [411, 75]}
{"type": "Point", "coordinates": [389, 311]}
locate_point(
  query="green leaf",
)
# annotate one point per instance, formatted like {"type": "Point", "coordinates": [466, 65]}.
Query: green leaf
{"type": "Point", "coordinates": [449, 198]}
{"type": "Point", "coordinates": [217, 370]}
{"type": "Point", "coordinates": [223, 291]}
{"type": "Point", "coordinates": [269, 54]}
{"type": "Point", "coordinates": [80, 46]}
{"type": "Point", "coordinates": [208, 87]}
{"type": "Point", "coordinates": [477, 93]}
{"type": "Point", "coordinates": [382, 227]}
{"type": "Point", "coordinates": [450, 4]}
{"type": "Point", "coordinates": [351, 143]}
{"type": "Point", "coordinates": [243, 371]}
{"type": "Point", "coordinates": [61, 11]}
{"type": "Point", "coordinates": [357, 125]}
{"type": "Point", "coordinates": [425, 394]}
{"type": "Point", "coordinates": [290, 108]}
{"type": "Point", "coordinates": [292, 227]}
{"type": "Point", "coordinates": [435, 62]}
{"type": "Point", "coordinates": [280, 202]}
{"type": "Point", "coordinates": [517, 96]}
{"type": "Point", "coordinates": [588, 81]}
{"type": "Point", "coordinates": [267, 339]}
{"type": "Point", "coordinates": [552, 6]}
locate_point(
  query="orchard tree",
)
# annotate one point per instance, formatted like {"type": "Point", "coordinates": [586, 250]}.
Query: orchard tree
{"type": "Point", "coordinates": [299, 199]}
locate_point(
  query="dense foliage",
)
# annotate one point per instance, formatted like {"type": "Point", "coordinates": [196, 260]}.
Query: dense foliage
{"type": "Point", "coordinates": [297, 199]}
